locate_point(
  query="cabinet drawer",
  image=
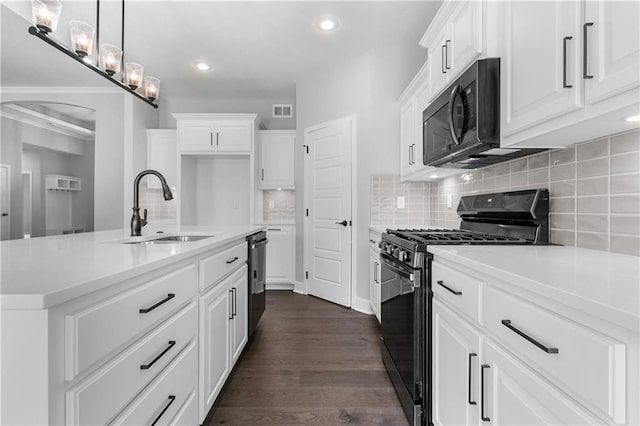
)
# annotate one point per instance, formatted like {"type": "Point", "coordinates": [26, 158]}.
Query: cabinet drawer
{"type": "Point", "coordinates": [123, 378]}
{"type": "Point", "coordinates": [220, 264]}
{"type": "Point", "coordinates": [587, 365]}
{"type": "Point", "coordinates": [97, 331]}
{"type": "Point", "coordinates": [162, 399]}
{"type": "Point", "coordinates": [457, 289]}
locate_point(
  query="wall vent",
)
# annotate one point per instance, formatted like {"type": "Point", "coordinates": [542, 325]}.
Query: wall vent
{"type": "Point", "coordinates": [283, 111]}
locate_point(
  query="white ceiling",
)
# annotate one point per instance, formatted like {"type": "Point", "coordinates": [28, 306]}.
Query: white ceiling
{"type": "Point", "coordinates": [256, 49]}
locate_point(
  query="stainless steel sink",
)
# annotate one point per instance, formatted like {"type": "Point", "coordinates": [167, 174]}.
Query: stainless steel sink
{"type": "Point", "coordinates": [172, 239]}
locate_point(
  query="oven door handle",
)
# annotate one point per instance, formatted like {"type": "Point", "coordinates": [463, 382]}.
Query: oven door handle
{"type": "Point", "coordinates": [457, 140]}
{"type": "Point", "coordinates": [393, 266]}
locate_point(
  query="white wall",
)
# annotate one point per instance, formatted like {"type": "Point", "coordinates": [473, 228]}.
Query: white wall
{"type": "Point", "coordinates": [367, 86]}
{"type": "Point", "coordinates": [261, 106]}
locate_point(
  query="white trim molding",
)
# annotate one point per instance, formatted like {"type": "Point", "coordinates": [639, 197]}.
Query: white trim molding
{"type": "Point", "coordinates": [361, 305]}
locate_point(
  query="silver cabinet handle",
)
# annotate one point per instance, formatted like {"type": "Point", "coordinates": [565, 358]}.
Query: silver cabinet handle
{"type": "Point", "coordinates": [507, 323]}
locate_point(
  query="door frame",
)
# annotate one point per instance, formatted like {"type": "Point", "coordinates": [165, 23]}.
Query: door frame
{"type": "Point", "coordinates": [352, 120]}
{"type": "Point", "coordinates": [8, 167]}
{"type": "Point", "coordinates": [30, 191]}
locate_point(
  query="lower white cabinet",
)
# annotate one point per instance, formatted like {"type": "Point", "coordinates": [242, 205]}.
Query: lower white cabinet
{"type": "Point", "coordinates": [280, 255]}
{"type": "Point", "coordinates": [375, 272]}
{"type": "Point", "coordinates": [223, 335]}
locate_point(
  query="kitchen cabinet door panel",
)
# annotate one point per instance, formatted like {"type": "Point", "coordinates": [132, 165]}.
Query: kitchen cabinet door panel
{"type": "Point", "coordinates": [533, 64]}
{"type": "Point", "coordinates": [233, 136]}
{"type": "Point", "coordinates": [613, 48]}
{"type": "Point", "coordinates": [239, 284]}
{"type": "Point", "coordinates": [195, 135]}
{"type": "Point", "coordinates": [277, 154]}
{"type": "Point", "coordinates": [456, 355]}
{"type": "Point", "coordinates": [280, 255]}
{"type": "Point", "coordinates": [408, 140]}
{"type": "Point", "coordinates": [466, 35]}
{"type": "Point", "coordinates": [438, 63]}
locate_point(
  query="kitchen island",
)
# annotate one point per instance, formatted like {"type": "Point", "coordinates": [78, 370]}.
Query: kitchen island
{"type": "Point", "coordinates": [156, 327]}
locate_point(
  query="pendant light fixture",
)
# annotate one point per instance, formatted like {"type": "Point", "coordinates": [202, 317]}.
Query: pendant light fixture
{"type": "Point", "coordinates": [108, 58]}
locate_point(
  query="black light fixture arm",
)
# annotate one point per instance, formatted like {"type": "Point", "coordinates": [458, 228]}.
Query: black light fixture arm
{"type": "Point", "coordinates": [43, 36]}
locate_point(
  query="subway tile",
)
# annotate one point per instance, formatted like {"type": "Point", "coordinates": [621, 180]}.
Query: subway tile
{"type": "Point", "coordinates": [562, 205]}
{"type": "Point", "coordinates": [565, 188]}
{"type": "Point", "coordinates": [624, 184]}
{"type": "Point", "coordinates": [595, 204]}
{"type": "Point", "coordinates": [595, 241]}
{"type": "Point", "coordinates": [488, 172]}
{"type": "Point", "coordinates": [590, 168]}
{"type": "Point", "coordinates": [625, 163]}
{"type": "Point", "coordinates": [625, 244]}
{"type": "Point", "coordinates": [502, 169]}
{"type": "Point", "coordinates": [562, 237]}
{"type": "Point", "coordinates": [563, 156]}
{"type": "Point", "coordinates": [518, 165]}
{"type": "Point", "coordinates": [538, 176]}
{"type": "Point", "coordinates": [538, 161]}
{"type": "Point", "coordinates": [489, 184]}
{"type": "Point", "coordinates": [593, 222]}
{"type": "Point", "coordinates": [628, 203]}
{"type": "Point", "coordinates": [562, 221]}
{"type": "Point", "coordinates": [594, 149]}
{"type": "Point", "coordinates": [593, 186]}
{"type": "Point", "coordinates": [625, 224]}
{"type": "Point", "coordinates": [502, 181]}
{"type": "Point", "coordinates": [518, 179]}
{"type": "Point", "coordinates": [625, 142]}
{"type": "Point", "coordinates": [565, 172]}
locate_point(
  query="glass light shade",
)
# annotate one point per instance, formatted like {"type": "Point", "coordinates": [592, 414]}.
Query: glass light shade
{"type": "Point", "coordinates": [110, 58]}
{"type": "Point", "coordinates": [81, 38]}
{"type": "Point", "coordinates": [133, 74]}
{"type": "Point", "coordinates": [45, 14]}
{"type": "Point", "coordinates": [151, 88]}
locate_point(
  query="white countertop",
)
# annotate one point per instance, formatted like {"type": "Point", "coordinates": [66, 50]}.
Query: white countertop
{"type": "Point", "coordinates": [38, 273]}
{"type": "Point", "coordinates": [602, 284]}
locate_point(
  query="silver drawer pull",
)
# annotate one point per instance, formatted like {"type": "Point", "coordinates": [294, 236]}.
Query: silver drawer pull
{"type": "Point", "coordinates": [456, 292]}
{"type": "Point", "coordinates": [233, 259]}
{"type": "Point", "coordinates": [507, 323]}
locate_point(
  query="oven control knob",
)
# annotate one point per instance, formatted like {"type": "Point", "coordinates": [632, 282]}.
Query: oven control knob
{"type": "Point", "coordinates": [396, 253]}
{"type": "Point", "coordinates": [403, 256]}
{"type": "Point", "coordinates": [389, 248]}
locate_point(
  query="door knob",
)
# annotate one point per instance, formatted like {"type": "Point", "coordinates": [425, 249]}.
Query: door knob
{"type": "Point", "coordinates": [5, 214]}
{"type": "Point", "coordinates": [343, 223]}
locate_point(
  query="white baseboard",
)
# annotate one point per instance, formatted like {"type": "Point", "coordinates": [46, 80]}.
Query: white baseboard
{"type": "Point", "coordinates": [361, 305]}
{"type": "Point", "coordinates": [279, 286]}
{"type": "Point", "coordinates": [300, 288]}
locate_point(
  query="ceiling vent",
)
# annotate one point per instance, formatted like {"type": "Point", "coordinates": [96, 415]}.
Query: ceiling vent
{"type": "Point", "coordinates": [283, 111]}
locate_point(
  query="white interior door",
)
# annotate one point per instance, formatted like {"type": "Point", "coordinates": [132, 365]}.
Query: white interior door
{"type": "Point", "coordinates": [328, 200]}
{"type": "Point", "coordinates": [4, 203]}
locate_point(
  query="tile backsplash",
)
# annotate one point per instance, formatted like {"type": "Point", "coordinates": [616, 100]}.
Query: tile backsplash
{"type": "Point", "coordinates": [279, 206]}
{"type": "Point", "coordinates": [159, 211]}
{"type": "Point", "coordinates": [594, 188]}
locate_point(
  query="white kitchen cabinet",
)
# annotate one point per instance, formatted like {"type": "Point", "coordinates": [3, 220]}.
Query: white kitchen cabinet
{"type": "Point", "coordinates": [612, 30]}
{"type": "Point", "coordinates": [569, 71]}
{"type": "Point", "coordinates": [375, 273]}
{"type": "Point", "coordinates": [162, 155]}
{"type": "Point", "coordinates": [215, 339]}
{"type": "Point", "coordinates": [277, 149]}
{"type": "Point", "coordinates": [512, 394]}
{"type": "Point", "coordinates": [239, 285]}
{"type": "Point", "coordinates": [537, 80]}
{"type": "Point", "coordinates": [215, 133]}
{"type": "Point", "coordinates": [408, 137]}
{"type": "Point", "coordinates": [454, 39]}
{"type": "Point", "coordinates": [280, 255]}
{"type": "Point", "coordinates": [456, 363]}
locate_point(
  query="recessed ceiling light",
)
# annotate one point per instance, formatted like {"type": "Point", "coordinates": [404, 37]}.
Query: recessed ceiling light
{"type": "Point", "coordinates": [327, 24]}
{"type": "Point", "coordinates": [203, 66]}
{"type": "Point", "coordinates": [633, 118]}
{"type": "Point", "coordinates": [433, 176]}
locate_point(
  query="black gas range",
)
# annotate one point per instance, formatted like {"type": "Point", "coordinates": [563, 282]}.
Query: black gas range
{"type": "Point", "coordinates": [517, 217]}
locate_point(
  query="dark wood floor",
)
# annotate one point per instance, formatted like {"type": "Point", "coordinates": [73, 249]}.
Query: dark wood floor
{"type": "Point", "coordinates": [310, 363]}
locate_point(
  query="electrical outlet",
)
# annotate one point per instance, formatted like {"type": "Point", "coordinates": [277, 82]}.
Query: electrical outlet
{"type": "Point", "coordinates": [400, 203]}
{"type": "Point", "coordinates": [449, 202]}
{"type": "Point", "coordinates": [272, 204]}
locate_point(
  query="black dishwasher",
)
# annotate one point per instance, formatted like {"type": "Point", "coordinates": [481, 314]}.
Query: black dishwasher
{"type": "Point", "coordinates": [257, 244]}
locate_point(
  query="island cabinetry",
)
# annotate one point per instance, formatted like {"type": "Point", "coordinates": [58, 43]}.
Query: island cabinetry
{"type": "Point", "coordinates": [498, 358]}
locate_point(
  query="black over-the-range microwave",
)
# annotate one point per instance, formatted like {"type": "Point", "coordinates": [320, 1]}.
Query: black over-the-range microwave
{"type": "Point", "coordinates": [461, 128]}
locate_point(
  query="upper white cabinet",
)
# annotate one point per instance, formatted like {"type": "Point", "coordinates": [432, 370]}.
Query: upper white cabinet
{"type": "Point", "coordinates": [162, 155]}
{"type": "Point", "coordinates": [277, 148]}
{"type": "Point", "coordinates": [216, 133]}
{"type": "Point", "coordinates": [540, 67]}
{"type": "Point", "coordinates": [612, 39]}
{"type": "Point", "coordinates": [409, 137]}
{"type": "Point", "coordinates": [454, 40]}
{"type": "Point", "coordinates": [569, 70]}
